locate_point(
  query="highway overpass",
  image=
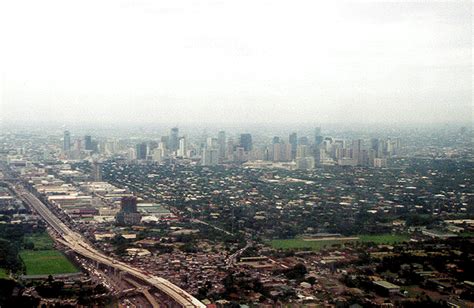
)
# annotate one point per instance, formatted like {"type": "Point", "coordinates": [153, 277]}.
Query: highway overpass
{"type": "Point", "coordinates": [79, 245]}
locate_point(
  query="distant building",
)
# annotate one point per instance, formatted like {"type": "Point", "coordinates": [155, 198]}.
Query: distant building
{"type": "Point", "coordinates": [302, 151]}
{"type": "Point", "coordinates": [210, 157]}
{"type": "Point", "coordinates": [305, 163]}
{"type": "Point", "coordinates": [221, 145]}
{"type": "Point", "coordinates": [318, 138]}
{"type": "Point", "coordinates": [141, 151]}
{"type": "Point", "coordinates": [174, 139]}
{"type": "Point", "coordinates": [293, 140]}
{"type": "Point", "coordinates": [386, 287]}
{"type": "Point", "coordinates": [183, 147]}
{"type": "Point", "coordinates": [357, 151]}
{"type": "Point", "coordinates": [380, 162]}
{"type": "Point", "coordinates": [128, 214]}
{"type": "Point", "coordinates": [88, 145]}
{"type": "Point", "coordinates": [246, 142]}
{"type": "Point", "coordinates": [67, 141]}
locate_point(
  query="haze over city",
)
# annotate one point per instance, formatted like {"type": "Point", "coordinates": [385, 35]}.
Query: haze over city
{"type": "Point", "coordinates": [242, 62]}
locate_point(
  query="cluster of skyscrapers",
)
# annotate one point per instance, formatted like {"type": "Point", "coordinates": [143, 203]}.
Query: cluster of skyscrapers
{"type": "Point", "coordinates": [297, 152]}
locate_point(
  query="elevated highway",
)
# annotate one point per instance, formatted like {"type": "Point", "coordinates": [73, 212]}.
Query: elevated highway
{"type": "Point", "coordinates": [79, 245]}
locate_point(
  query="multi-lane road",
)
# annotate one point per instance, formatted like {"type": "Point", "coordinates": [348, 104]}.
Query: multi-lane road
{"type": "Point", "coordinates": [79, 245]}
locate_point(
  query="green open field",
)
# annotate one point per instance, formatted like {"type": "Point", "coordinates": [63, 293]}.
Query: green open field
{"type": "Point", "coordinates": [46, 262]}
{"type": "Point", "coordinates": [42, 241]}
{"type": "Point", "coordinates": [299, 243]}
{"type": "Point", "coordinates": [3, 274]}
{"type": "Point", "coordinates": [384, 238]}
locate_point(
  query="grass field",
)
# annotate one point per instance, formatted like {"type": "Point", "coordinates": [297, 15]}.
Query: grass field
{"type": "Point", "coordinates": [42, 241]}
{"type": "Point", "coordinates": [384, 238]}
{"type": "Point", "coordinates": [46, 262]}
{"type": "Point", "coordinates": [3, 274]}
{"type": "Point", "coordinates": [299, 243]}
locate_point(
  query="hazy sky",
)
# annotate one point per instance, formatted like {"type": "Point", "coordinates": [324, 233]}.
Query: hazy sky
{"type": "Point", "coordinates": [179, 61]}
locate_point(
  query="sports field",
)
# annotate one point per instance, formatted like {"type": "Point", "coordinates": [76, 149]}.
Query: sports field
{"type": "Point", "coordinates": [46, 262]}
{"type": "Point", "coordinates": [320, 243]}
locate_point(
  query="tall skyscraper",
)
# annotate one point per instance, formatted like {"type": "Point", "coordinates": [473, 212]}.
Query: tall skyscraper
{"type": "Point", "coordinates": [293, 140]}
{"type": "Point", "coordinates": [141, 150]}
{"type": "Point", "coordinates": [357, 151]}
{"type": "Point", "coordinates": [276, 151]}
{"type": "Point", "coordinates": [302, 151]}
{"type": "Point", "coordinates": [221, 145]}
{"type": "Point", "coordinates": [318, 138]}
{"type": "Point", "coordinates": [183, 147]}
{"type": "Point", "coordinates": [210, 157]}
{"type": "Point", "coordinates": [211, 143]}
{"type": "Point", "coordinates": [246, 142]}
{"type": "Point", "coordinates": [174, 139]}
{"type": "Point", "coordinates": [67, 141]}
{"type": "Point", "coordinates": [88, 145]}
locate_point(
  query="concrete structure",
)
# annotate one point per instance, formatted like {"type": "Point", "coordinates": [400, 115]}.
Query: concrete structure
{"type": "Point", "coordinates": [80, 246]}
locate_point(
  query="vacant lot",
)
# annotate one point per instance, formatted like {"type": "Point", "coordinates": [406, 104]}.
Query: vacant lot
{"type": "Point", "coordinates": [320, 243]}
{"type": "Point", "coordinates": [46, 262]}
{"type": "Point", "coordinates": [42, 241]}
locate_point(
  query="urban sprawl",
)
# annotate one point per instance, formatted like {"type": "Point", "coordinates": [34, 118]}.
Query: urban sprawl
{"type": "Point", "coordinates": [367, 217]}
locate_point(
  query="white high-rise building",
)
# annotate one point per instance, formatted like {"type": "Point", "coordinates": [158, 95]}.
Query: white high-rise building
{"type": "Point", "coordinates": [210, 157]}
{"type": "Point", "coordinates": [302, 151]}
{"type": "Point", "coordinates": [183, 147]}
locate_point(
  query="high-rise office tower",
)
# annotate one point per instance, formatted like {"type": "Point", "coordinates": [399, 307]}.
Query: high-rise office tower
{"type": "Point", "coordinates": [375, 145]}
{"type": "Point", "coordinates": [221, 145]}
{"type": "Point", "coordinates": [211, 142]}
{"type": "Point", "coordinates": [88, 146]}
{"type": "Point", "coordinates": [165, 140]}
{"type": "Point", "coordinates": [318, 138]}
{"type": "Point", "coordinates": [246, 142]}
{"type": "Point", "coordinates": [357, 151]}
{"type": "Point", "coordinates": [293, 140]}
{"type": "Point", "coordinates": [174, 139]}
{"type": "Point", "coordinates": [230, 149]}
{"type": "Point", "coordinates": [141, 150]}
{"type": "Point", "coordinates": [240, 154]}
{"type": "Point", "coordinates": [286, 150]}
{"type": "Point", "coordinates": [276, 151]}
{"type": "Point", "coordinates": [67, 141]}
{"type": "Point", "coordinates": [78, 145]}
{"type": "Point", "coordinates": [302, 151]}
{"type": "Point", "coordinates": [210, 157]}
{"type": "Point", "coordinates": [183, 147]}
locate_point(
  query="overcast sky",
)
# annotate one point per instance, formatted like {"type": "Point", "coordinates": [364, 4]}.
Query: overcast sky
{"type": "Point", "coordinates": [178, 61]}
